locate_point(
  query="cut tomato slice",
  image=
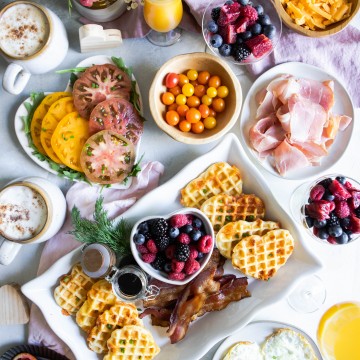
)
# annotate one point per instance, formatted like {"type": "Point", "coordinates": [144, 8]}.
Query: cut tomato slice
{"type": "Point", "coordinates": [107, 157]}
{"type": "Point", "coordinates": [99, 83]}
{"type": "Point", "coordinates": [118, 115]}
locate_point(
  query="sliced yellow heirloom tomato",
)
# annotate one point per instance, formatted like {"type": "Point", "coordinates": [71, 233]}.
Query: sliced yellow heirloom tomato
{"type": "Point", "coordinates": [69, 138]}
{"type": "Point", "coordinates": [58, 110]}
{"type": "Point", "coordinates": [40, 112]}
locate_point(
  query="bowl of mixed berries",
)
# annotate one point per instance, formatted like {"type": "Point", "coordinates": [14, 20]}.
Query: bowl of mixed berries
{"type": "Point", "coordinates": [331, 209]}
{"type": "Point", "coordinates": [242, 31]}
{"type": "Point", "coordinates": [173, 248]}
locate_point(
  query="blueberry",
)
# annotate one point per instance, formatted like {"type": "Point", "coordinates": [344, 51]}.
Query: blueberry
{"type": "Point", "coordinates": [243, 2]}
{"type": "Point", "coordinates": [167, 267]}
{"type": "Point", "coordinates": [229, 2]}
{"type": "Point", "coordinates": [239, 39]}
{"type": "Point", "coordinates": [341, 179]}
{"type": "Point", "coordinates": [326, 182]}
{"type": "Point", "coordinates": [212, 26]}
{"type": "Point", "coordinates": [328, 196]}
{"type": "Point", "coordinates": [250, 3]}
{"type": "Point", "coordinates": [246, 35]}
{"type": "Point", "coordinates": [349, 234]}
{"type": "Point", "coordinates": [255, 29]}
{"type": "Point", "coordinates": [269, 31]}
{"type": "Point", "coordinates": [225, 50]}
{"type": "Point", "coordinates": [309, 221]}
{"type": "Point", "coordinates": [342, 239]}
{"type": "Point", "coordinates": [335, 231]}
{"type": "Point", "coordinates": [345, 222]}
{"type": "Point", "coordinates": [195, 235]}
{"type": "Point", "coordinates": [143, 228]}
{"type": "Point", "coordinates": [259, 9]}
{"type": "Point", "coordinates": [200, 255]}
{"type": "Point", "coordinates": [216, 41]}
{"type": "Point", "coordinates": [139, 239]}
{"type": "Point", "coordinates": [264, 19]}
{"type": "Point", "coordinates": [197, 223]}
{"type": "Point", "coordinates": [319, 223]}
{"type": "Point", "coordinates": [174, 232]}
{"type": "Point", "coordinates": [323, 234]}
{"type": "Point", "coordinates": [187, 229]}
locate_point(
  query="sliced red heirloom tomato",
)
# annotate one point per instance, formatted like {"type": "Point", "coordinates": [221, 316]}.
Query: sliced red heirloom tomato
{"type": "Point", "coordinates": [99, 83]}
{"type": "Point", "coordinates": [117, 115]}
{"type": "Point", "coordinates": [107, 157]}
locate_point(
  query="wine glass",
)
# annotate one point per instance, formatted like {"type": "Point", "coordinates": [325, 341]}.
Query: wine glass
{"type": "Point", "coordinates": [163, 16]}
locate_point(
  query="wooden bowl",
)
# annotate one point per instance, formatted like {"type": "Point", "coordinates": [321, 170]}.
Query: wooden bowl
{"type": "Point", "coordinates": [330, 30]}
{"type": "Point", "coordinates": [200, 62]}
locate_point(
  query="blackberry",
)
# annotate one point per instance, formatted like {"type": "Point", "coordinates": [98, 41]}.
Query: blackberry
{"type": "Point", "coordinates": [357, 212]}
{"type": "Point", "coordinates": [159, 262]}
{"type": "Point", "coordinates": [182, 252]}
{"type": "Point", "coordinates": [326, 182]}
{"type": "Point", "coordinates": [158, 227]}
{"type": "Point", "coordinates": [215, 13]}
{"type": "Point", "coordinates": [162, 242]}
{"type": "Point", "coordinates": [241, 52]}
{"type": "Point", "coordinates": [333, 221]}
{"type": "Point", "coordinates": [148, 236]}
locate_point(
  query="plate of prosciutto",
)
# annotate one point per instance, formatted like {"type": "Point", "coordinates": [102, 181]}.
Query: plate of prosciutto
{"type": "Point", "coordinates": [297, 121]}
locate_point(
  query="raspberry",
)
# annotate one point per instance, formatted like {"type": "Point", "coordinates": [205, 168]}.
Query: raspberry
{"type": "Point", "coordinates": [193, 252]}
{"type": "Point", "coordinates": [205, 244]}
{"type": "Point", "coordinates": [184, 238]}
{"type": "Point", "coordinates": [148, 258]}
{"type": "Point", "coordinates": [191, 266]}
{"type": "Point", "coordinates": [342, 209]}
{"type": "Point", "coordinates": [249, 12]}
{"type": "Point", "coordinates": [170, 251]}
{"type": "Point", "coordinates": [339, 190]}
{"type": "Point", "coordinates": [176, 276]}
{"type": "Point", "coordinates": [178, 220]}
{"type": "Point", "coordinates": [151, 246]}
{"type": "Point", "coordinates": [320, 209]}
{"type": "Point", "coordinates": [142, 249]}
{"type": "Point", "coordinates": [190, 219]}
{"type": "Point", "coordinates": [177, 266]}
{"type": "Point", "coordinates": [317, 192]}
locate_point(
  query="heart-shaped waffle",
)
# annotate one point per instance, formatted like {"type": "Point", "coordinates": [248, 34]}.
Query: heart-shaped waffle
{"type": "Point", "coordinates": [262, 256]}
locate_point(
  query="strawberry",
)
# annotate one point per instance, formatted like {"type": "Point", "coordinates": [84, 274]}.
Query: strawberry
{"type": "Point", "coordinates": [249, 12]}
{"type": "Point", "coordinates": [342, 209]}
{"type": "Point", "coordinates": [228, 33]}
{"type": "Point", "coordinates": [354, 224]}
{"type": "Point", "coordinates": [320, 209]}
{"type": "Point", "coordinates": [339, 190]}
{"type": "Point", "coordinates": [317, 192]}
{"type": "Point", "coordinates": [241, 25]}
{"type": "Point", "coordinates": [259, 45]}
{"type": "Point", "coordinates": [228, 14]}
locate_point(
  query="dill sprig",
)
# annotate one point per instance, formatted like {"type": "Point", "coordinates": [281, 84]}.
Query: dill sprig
{"type": "Point", "coordinates": [115, 234]}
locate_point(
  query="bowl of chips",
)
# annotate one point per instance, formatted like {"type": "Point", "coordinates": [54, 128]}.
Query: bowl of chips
{"type": "Point", "coordinates": [317, 18]}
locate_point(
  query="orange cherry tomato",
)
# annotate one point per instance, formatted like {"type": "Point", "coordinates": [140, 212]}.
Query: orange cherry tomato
{"type": "Point", "coordinates": [171, 80]}
{"type": "Point", "coordinates": [167, 98]}
{"type": "Point", "coordinates": [204, 111]}
{"type": "Point", "coordinates": [223, 91]}
{"type": "Point", "coordinates": [218, 105]}
{"type": "Point", "coordinates": [172, 118]}
{"type": "Point", "coordinates": [215, 81]}
{"type": "Point", "coordinates": [200, 91]}
{"type": "Point", "coordinates": [184, 126]}
{"type": "Point", "coordinates": [211, 92]}
{"type": "Point", "coordinates": [193, 101]}
{"type": "Point", "coordinates": [209, 122]}
{"type": "Point", "coordinates": [173, 106]}
{"type": "Point", "coordinates": [207, 100]}
{"type": "Point", "coordinates": [188, 90]}
{"type": "Point", "coordinates": [192, 74]}
{"type": "Point", "coordinates": [176, 90]}
{"type": "Point", "coordinates": [193, 115]}
{"type": "Point", "coordinates": [182, 109]}
{"type": "Point", "coordinates": [212, 112]}
{"type": "Point", "coordinates": [183, 79]}
{"type": "Point", "coordinates": [203, 77]}
{"type": "Point", "coordinates": [181, 99]}
{"type": "Point", "coordinates": [198, 127]}
{"type": "Point", "coordinates": [194, 83]}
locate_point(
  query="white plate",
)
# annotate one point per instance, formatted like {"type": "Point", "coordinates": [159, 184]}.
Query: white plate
{"type": "Point", "coordinates": [212, 327]}
{"type": "Point", "coordinates": [343, 105]}
{"type": "Point", "coordinates": [23, 138]}
{"type": "Point", "coordinates": [257, 332]}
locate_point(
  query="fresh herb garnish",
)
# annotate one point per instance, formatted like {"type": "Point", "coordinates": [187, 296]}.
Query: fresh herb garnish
{"type": "Point", "coordinates": [73, 70]}
{"type": "Point", "coordinates": [114, 234]}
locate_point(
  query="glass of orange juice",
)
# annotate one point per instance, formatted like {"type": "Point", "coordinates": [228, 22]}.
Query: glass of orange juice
{"type": "Point", "coordinates": [163, 16]}
{"type": "Point", "coordinates": [339, 332]}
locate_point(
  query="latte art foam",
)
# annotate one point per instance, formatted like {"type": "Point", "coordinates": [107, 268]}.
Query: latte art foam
{"type": "Point", "coordinates": [23, 213]}
{"type": "Point", "coordinates": [24, 30]}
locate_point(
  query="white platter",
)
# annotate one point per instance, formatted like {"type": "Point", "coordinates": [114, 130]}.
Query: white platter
{"type": "Point", "coordinates": [257, 332]}
{"type": "Point", "coordinates": [23, 138]}
{"type": "Point", "coordinates": [212, 327]}
{"type": "Point", "coordinates": [343, 105]}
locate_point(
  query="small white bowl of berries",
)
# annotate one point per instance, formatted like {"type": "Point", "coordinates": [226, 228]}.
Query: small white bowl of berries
{"type": "Point", "coordinates": [241, 31]}
{"type": "Point", "coordinates": [173, 248]}
{"type": "Point", "coordinates": [329, 208]}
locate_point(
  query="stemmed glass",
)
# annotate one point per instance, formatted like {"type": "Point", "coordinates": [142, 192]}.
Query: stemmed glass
{"type": "Point", "coordinates": [163, 16]}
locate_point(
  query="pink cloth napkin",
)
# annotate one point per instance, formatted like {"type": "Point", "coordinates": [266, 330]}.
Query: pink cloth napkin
{"type": "Point", "coordinates": [84, 196]}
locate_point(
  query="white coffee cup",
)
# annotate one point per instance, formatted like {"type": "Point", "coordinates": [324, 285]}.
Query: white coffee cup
{"type": "Point", "coordinates": [32, 211]}
{"type": "Point", "coordinates": [32, 39]}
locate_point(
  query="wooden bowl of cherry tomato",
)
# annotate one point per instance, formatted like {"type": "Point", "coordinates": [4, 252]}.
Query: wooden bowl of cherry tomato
{"type": "Point", "coordinates": [195, 98]}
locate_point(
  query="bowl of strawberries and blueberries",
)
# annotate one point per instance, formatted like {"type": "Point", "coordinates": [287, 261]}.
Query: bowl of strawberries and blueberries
{"type": "Point", "coordinates": [241, 30]}
{"type": "Point", "coordinates": [332, 211]}
{"type": "Point", "coordinates": [173, 248]}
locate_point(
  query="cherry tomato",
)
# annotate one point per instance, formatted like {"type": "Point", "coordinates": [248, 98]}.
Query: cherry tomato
{"type": "Point", "coordinates": [215, 81]}
{"type": "Point", "coordinates": [194, 83]}
{"type": "Point", "coordinates": [203, 77]}
{"type": "Point", "coordinates": [193, 115]}
{"type": "Point", "coordinates": [182, 109]}
{"type": "Point", "coordinates": [193, 101]}
{"type": "Point", "coordinates": [204, 111]}
{"type": "Point", "coordinates": [192, 74]}
{"type": "Point", "coordinates": [181, 99]}
{"type": "Point", "coordinates": [167, 98]}
{"type": "Point", "coordinates": [173, 106]}
{"type": "Point", "coordinates": [218, 105]}
{"type": "Point", "coordinates": [176, 90]}
{"type": "Point", "coordinates": [206, 100]}
{"type": "Point", "coordinates": [212, 112]}
{"type": "Point", "coordinates": [222, 91]}
{"type": "Point", "coordinates": [198, 127]}
{"type": "Point", "coordinates": [184, 126]}
{"type": "Point", "coordinates": [211, 92]}
{"type": "Point", "coordinates": [200, 90]}
{"type": "Point", "coordinates": [183, 79]}
{"type": "Point", "coordinates": [188, 90]}
{"type": "Point", "coordinates": [209, 122]}
{"type": "Point", "coordinates": [171, 80]}
{"type": "Point", "coordinates": [172, 118]}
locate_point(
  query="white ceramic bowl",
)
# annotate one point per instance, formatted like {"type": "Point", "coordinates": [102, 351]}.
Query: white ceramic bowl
{"type": "Point", "coordinates": [110, 13]}
{"type": "Point", "coordinates": [161, 275]}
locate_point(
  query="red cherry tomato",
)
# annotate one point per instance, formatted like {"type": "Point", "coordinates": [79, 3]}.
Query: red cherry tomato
{"type": "Point", "coordinates": [171, 80]}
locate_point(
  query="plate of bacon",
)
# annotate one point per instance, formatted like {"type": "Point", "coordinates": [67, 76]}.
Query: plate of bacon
{"type": "Point", "coordinates": [297, 121]}
{"type": "Point", "coordinates": [187, 320]}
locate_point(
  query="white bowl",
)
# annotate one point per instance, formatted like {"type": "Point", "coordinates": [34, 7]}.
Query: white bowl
{"type": "Point", "coordinates": [161, 275]}
{"type": "Point", "coordinates": [110, 13]}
